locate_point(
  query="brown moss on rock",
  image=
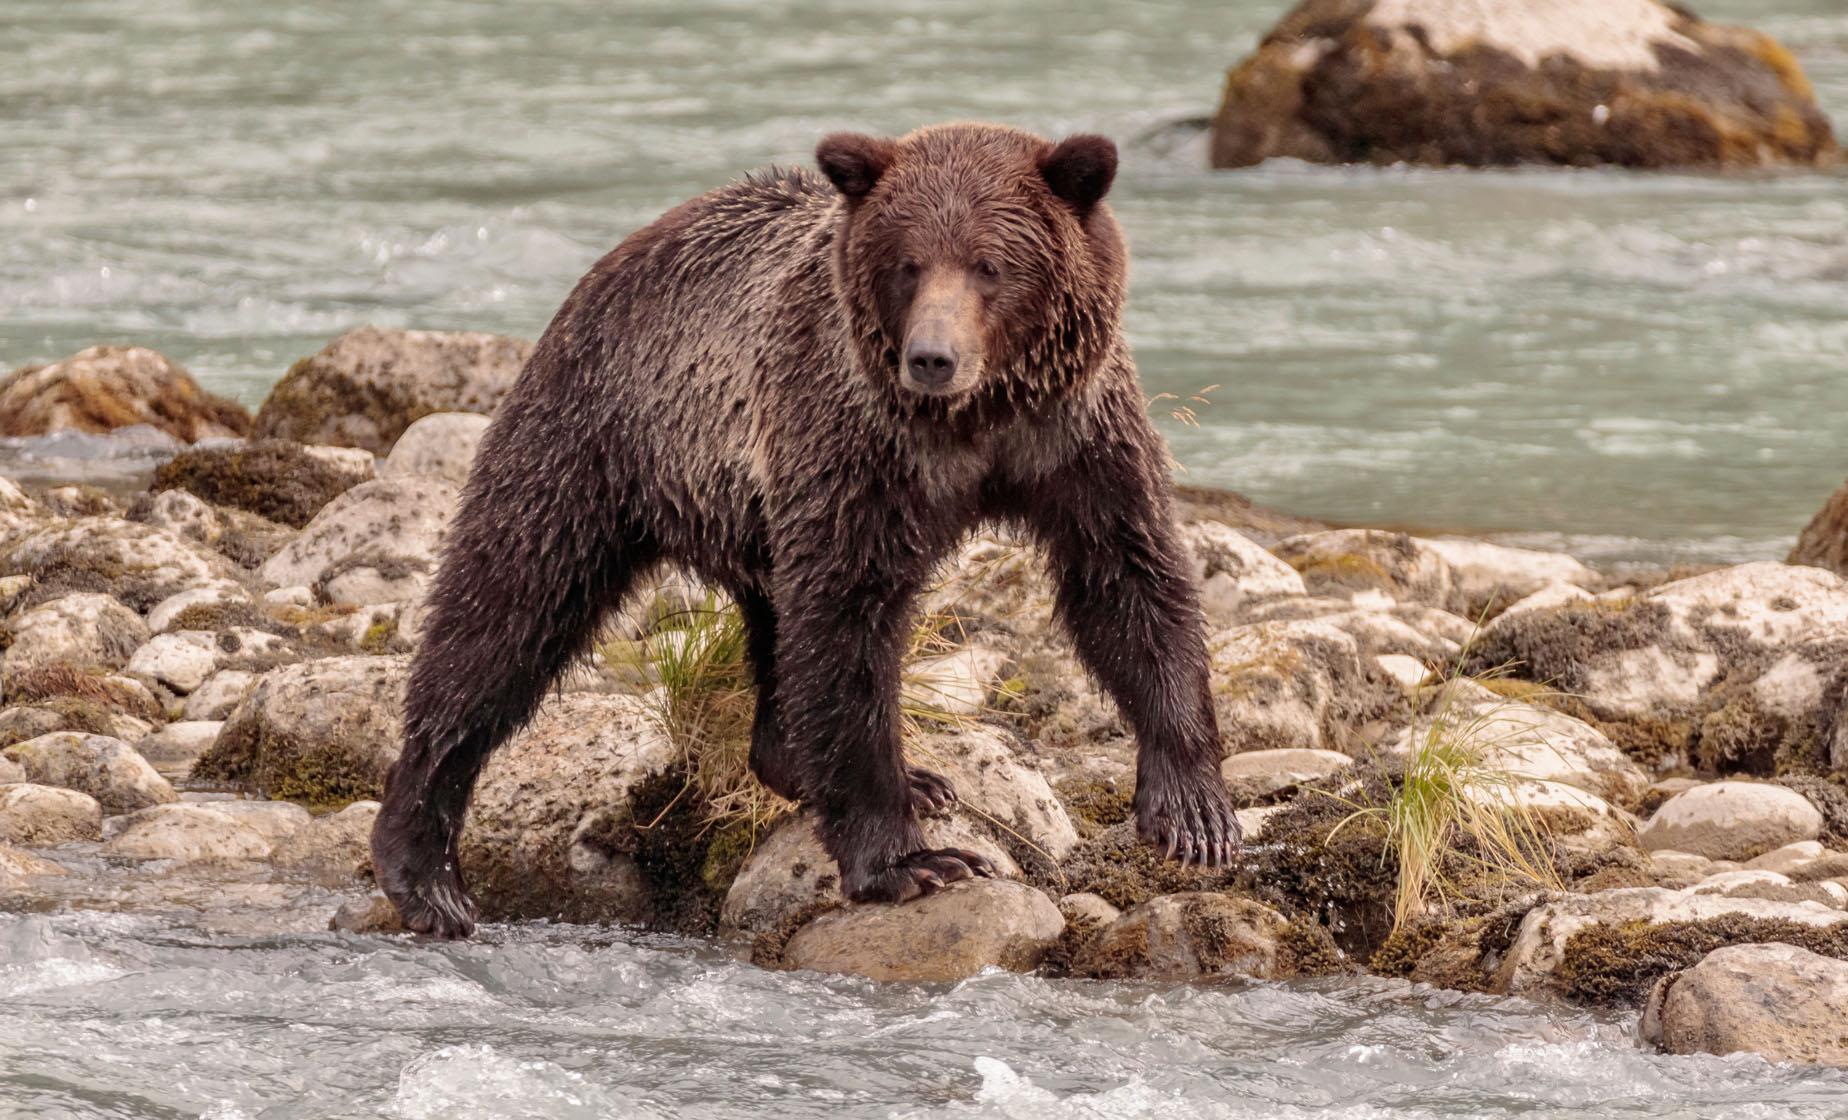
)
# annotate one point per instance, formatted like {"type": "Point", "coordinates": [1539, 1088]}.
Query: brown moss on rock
{"type": "Point", "coordinates": [89, 686]}
{"type": "Point", "coordinates": [1824, 541]}
{"type": "Point", "coordinates": [1609, 965]}
{"type": "Point", "coordinates": [1095, 805]}
{"type": "Point", "coordinates": [108, 387]}
{"type": "Point", "coordinates": [276, 479]}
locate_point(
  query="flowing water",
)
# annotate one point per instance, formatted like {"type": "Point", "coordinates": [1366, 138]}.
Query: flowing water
{"type": "Point", "coordinates": [1631, 365]}
{"type": "Point", "coordinates": [1638, 366]}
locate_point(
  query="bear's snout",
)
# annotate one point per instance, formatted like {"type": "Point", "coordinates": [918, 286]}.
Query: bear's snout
{"type": "Point", "coordinates": [943, 335]}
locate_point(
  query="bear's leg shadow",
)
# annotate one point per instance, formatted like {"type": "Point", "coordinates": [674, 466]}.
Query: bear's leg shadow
{"type": "Point", "coordinates": [528, 573]}
{"type": "Point", "coordinates": [839, 652]}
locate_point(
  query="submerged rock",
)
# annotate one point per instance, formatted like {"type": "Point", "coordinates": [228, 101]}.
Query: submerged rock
{"type": "Point", "coordinates": [1638, 83]}
{"type": "Point", "coordinates": [108, 387]}
{"type": "Point", "coordinates": [1732, 820]}
{"type": "Point", "coordinates": [1200, 935]}
{"type": "Point", "coordinates": [1780, 1002]}
{"type": "Point", "coordinates": [276, 479]}
{"type": "Point", "coordinates": [322, 732]}
{"type": "Point", "coordinates": [376, 543]}
{"type": "Point", "coordinates": [40, 816]}
{"type": "Point", "coordinates": [106, 769]}
{"type": "Point", "coordinates": [365, 387]}
{"type": "Point", "coordinates": [17, 867]}
{"type": "Point", "coordinates": [950, 935]}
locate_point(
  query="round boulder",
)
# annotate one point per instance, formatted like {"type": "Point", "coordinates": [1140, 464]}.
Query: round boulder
{"type": "Point", "coordinates": [376, 543]}
{"type": "Point", "coordinates": [108, 387]}
{"type": "Point", "coordinates": [1199, 935]}
{"type": "Point", "coordinates": [276, 479]}
{"type": "Point", "coordinates": [440, 445]}
{"type": "Point", "coordinates": [107, 769]}
{"type": "Point", "coordinates": [1778, 1001]}
{"type": "Point", "coordinates": [38, 816]}
{"type": "Point", "coordinates": [1732, 820]}
{"type": "Point", "coordinates": [86, 628]}
{"type": "Point", "coordinates": [950, 935]}
{"type": "Point", "coordinates": [186, 833]}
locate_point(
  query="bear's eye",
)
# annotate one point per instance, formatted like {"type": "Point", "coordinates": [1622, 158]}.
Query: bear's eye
{"type": "Point", "coordinates": [987, 269]}
{"type": "Point", "coordinates": [910, 269]}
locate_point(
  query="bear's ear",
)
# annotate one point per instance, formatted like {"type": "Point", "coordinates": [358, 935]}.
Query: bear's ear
{"type": "Point", "coordinates": [853, 162]}
{"type": "Point", "coordinates": [1079, 169]}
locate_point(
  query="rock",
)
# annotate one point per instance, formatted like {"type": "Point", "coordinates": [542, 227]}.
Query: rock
{"type": "Point", "coordinates": [1824, 541]}
{"type": "Point", "coordinates": [376, 543]}
{"type": "Point", "coordinates": [275, 821]}
{"type": "Point", "coordinates": [549, 832]}
{"type": "Point", "coordinates": [1679, 869]}
{"type": "Point", "coordinates": [1769, 884]}
{"type": "Point", "coordinates": [372, 914]}
{"type": "Point", "coordinates": [108, 387]}
{"type": "Point", "coordinates": [1083, 906]}
{"type": "Point", "coordinates": [1232, 570]}
{"type": "Point", "coordinates": [180, 660]}
{"type": "Point", "coordinates": [369, 384]}
{"type": "Point", "coordinates": [1537, 963]}
{"type": "Point", "coordinates": [1408, 672]}
{"type": "Point", "coordinates": [137, 564]}
{"type": "Point", "coordinates": [186, 833]}
{"type": "Point", "coordinates": [86, 629]}
{"type": "Point", "coordinates": [1659, 792]}
{"type": "Point", "coordinates": [12, 773]}
{"type": "Point", "coordinates": [322, 732]}
{"type": "Point", "coordinates": [993, 785]}
{"type": "Point", "coordinates": [950, 935]}
{"type": "Point", "coordinates": [959, 682]}
{"type": "Point", "coordinates": [1636, 83]}
{"type": "Point", "coordinates": [1732, 820]}
{"type": "Point", "coordinates": [1780, 1002]}
{"type": "Point", "coordinates": [183, 515]}
{"type": "Point", "coordinates": [219, 695]}
{"type": "Point", "coordinates": [1341, 562]}
{"type": "Point", "coordinates": [40, 816]}
{"type": "Point", "coordinates": [789, 876]}
{"type": "Point", "coordinates": [1492, 576]}
{"type": "Point", "coordinates": [1202, 935]}
{"type": "Point", "coordinates": [174, 748]}
{"type": "Point", "coordinates": [440, 445]}
{"type": "Point", "coordinates": [106, 769]}
{"type": "Point", "coordinates": [335, 846]}
{"type": "Point", "coordinates": [19, 515]}
{"type": "Point", "coordinates": [1574, 820]}
{"type": "Point", "coordinates": [1791, 857]}
{"type": "Point", "coordinates": [1552, 595]}
{"type": "Point", "coordinates": [1257, 774]}
{"type": "Point", "coordinates": [17, 866]}
{"type": "Point", "coordinates": [1294, 684]}
{"type": "Point", "coordinates": [276, 479]}
{"type": "Point", "coordinates": [219, 599]}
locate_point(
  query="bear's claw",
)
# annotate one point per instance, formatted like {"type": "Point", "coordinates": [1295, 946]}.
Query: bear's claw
{"type": "Point", "coordinates": [930, 792]}
{"type": "Point", "coordinates": [1191, 821]}
{"type": "Point", "coordinates": [921, 873]}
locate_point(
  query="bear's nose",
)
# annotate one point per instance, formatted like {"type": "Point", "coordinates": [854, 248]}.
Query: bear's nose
{"type": "Point", "coordinates": [930, 363]}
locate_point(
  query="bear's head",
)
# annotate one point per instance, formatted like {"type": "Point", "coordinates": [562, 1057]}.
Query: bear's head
{"type": "Point", "coordinates": [977, 266]}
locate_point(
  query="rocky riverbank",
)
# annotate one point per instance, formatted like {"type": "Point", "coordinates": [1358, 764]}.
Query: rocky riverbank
{"type": "Point", "coordinates": [1471, 766]}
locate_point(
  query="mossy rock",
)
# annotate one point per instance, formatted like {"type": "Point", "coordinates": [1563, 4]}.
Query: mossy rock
{"type": "Point", "coordinates": [1616, 965]}
{"type": "Point", "coordinates": [275, 479]}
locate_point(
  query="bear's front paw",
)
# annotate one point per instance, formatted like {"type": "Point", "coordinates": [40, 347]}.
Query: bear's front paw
{"type": "Point", "coordinates": [930, 793]}
{"type": "Point", "coordinates": [438, 906]}
{"type": "Point", "coordinates": [422, 881]}
{"type": "Point", "coordinates": [916, 875]}
{"type": "Point", "coordinates": [1189, 819]}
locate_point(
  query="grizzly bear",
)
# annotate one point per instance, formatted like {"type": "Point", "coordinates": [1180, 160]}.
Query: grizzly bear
{"type": "Point", "coordinates": [807, 390]}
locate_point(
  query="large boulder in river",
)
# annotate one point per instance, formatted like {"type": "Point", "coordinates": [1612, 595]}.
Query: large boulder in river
{"type": "Point", "coordinates": [282, 481]}
{"type": "Point", "coordinates": [1780, 1002]}
{"type": "Point", "coordinates": [108, 387]}
{"type": "Point", "coordinates": [376, 543]}
{"type": "Point", "coordinates": [1637, 83]}
{"type": "Point", "coordinates": [321, 732]}
{"type": "Point", "coordinates": [1824, 541]}
{"type": "Point", "coordinates": [369, 384]}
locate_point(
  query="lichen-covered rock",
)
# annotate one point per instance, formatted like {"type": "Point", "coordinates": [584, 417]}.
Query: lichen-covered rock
{"type": "Point", "coordinates": [1257, 774]}
{"type": "Point", "coordinates": [1380, 626]}
{"type": "Point", "coordinates": [950, 935]}
{"type": "Point", "coordinates": [1294, 684]}
{"type": "Point", "coordinates": [1599, 947]}
{"type": "Point", "coordinates": [995, 786]}
{"type": "Point", "coordinates": [1749, 883]}
{"type": "Point", "coordinates": [187, 833]}
{"type": "Point", "coordinates": [1202, 935]}
{"type": "Point", "coordinates": [376, 543]}
{"type": "Point", "coordinates": [321, 732]}
{"type": "Point", "coordinates": [1780, 1002]}
{"type": "Point", "coordinates": [180, 660]}
{"type": "Point", "coordinates": [222, 598]}
{"type": "Point", "coordinates": [136, 564]}
{"type": "Point", "coordinates": [550, 832]}
{"type": "Point", "coordinates": [789, 875]}
{"type": "Point", "coordinates": [440, 445]}
{"type": "Point", "coordinates": [1340, 563]}
{"type": "Point", "coordinates": [107, 769]}
{"type": "Point", "coordinates": [1824, 541]}
{"type": "Point", "coordinates": [182, 514]}
{"type": "Point", "coordinates": [276, 479]}
{"type": "Point", "coordinates": [1742, 669]}
{"type": "Point", "coordinates": [365, 387]}
{"type": "Point", "coordinates": [174, 748]}
{"type": "Point", "coordinates": [39, 816]}
{"type": "Point", "coordinates": [332, 847]}
{"type": "Point", "coordinates": [108, 387]}
{"type": "Point", "coordinates": [86, 629]}
{"type": "Point", "coordinates": [1732, 820]}
{"type": "Point", "coordinates": [1233, 571]}
{"type": "Point", "coordinates": [1637, 83]}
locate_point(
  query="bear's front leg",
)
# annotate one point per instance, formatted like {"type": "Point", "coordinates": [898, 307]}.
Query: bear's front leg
{"type": "Point", "coordinates": [840, 644]}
